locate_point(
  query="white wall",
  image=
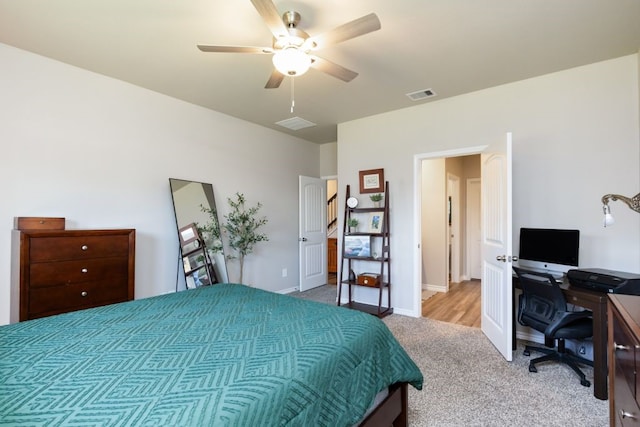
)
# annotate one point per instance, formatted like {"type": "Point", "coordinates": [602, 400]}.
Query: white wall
{"type": "Point", "coordinates": [576, 138]}
{"type": "Point", "coordinates": [329, 159]}
{"type": "Point", "coordinates": [100, 152]}
{"type": "Point", "coordinates": [434, 225]}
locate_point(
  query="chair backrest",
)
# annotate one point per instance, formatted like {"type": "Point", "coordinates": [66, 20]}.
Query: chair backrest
{"type": "Point", "coordinates": [542, 298]}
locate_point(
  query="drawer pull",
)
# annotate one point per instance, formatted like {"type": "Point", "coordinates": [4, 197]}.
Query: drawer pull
{"type": "Point", "coordinates": [84, 270]}
{"type": "Point", "coordinates": [624, 414]}
{"type": "Point", "coordinates": [84, 247]}
{"type": "Point", "coordinates": [83, 293]}
{"type": "Point", "coordinates": [620, 347]}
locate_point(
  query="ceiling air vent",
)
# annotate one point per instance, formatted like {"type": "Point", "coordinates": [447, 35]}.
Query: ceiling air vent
{"type": "Point", "coordinates": [295, 123]}
{"type": "Point", "coordinates": [422, 94]}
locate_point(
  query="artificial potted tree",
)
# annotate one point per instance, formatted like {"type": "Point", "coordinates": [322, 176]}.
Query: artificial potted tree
{"type": "Point", "coordinates": [241, 227]}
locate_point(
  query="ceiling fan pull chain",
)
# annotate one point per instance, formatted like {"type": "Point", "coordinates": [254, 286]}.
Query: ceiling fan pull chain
{"type": "Point", "coordinates": [293, 92]}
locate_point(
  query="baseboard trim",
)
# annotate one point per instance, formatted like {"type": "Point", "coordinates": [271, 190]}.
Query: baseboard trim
{"type": "Point", "coordinates": [288, 290]}
{"type": "Point", "coordinates": [435, 288]}
{"type": "Point", "coordinates": [530, 337]}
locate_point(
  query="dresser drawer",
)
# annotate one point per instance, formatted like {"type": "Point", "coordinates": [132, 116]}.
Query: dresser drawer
{"type": "Point", "coordinates": [623, 313]}
{"type": "Point", "coordinates": [624, 353]}
{"type": "Point", "coordinates": [77, 247]}
{"type": "Point", "coordinates": [626, 409]}
{"type": "Point", "coordinates": [59, 299]}
{"type": "Point", "coordinates": [68, 272]}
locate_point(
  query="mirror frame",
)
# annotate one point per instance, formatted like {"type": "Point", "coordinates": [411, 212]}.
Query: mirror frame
{"type": "Point", "coordinates": [192, 214]}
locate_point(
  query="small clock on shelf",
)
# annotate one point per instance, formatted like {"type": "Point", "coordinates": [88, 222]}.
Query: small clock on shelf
{"type": "Point", "coordinates": [352, 202]}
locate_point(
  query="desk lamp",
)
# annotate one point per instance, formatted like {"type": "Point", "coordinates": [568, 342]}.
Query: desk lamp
{"type": "Point", "coordinates": [633, 203]}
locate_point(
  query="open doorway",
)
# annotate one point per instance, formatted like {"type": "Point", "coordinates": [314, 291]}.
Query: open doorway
{"type": "Point", "coordinates": [332, 231]}
{"type": "Point", "coordinates": [450, 219]}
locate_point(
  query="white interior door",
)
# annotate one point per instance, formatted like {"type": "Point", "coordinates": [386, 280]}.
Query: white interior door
{"type": "Point", "coordinates": [312, 237]}
{"type": "Point", "coordinates": [497, 290]}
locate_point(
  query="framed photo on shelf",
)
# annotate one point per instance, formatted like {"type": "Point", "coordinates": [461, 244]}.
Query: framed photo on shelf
{"type": "Point", "coordinates": [357, 246]}
{"type": "Point", "coordinates": [372, 181]}
{"type": "Point", "coordinates": [375, 222]}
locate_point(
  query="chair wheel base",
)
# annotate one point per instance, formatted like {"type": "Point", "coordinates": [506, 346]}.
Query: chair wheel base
{"type": "Point", "coordinates": [553, 355]}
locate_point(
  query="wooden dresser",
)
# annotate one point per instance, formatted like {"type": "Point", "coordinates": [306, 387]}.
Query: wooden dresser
{"type": "Point", "coordinates": [56, 271]}
{"type": "Point", "coordinates": [624, 360]}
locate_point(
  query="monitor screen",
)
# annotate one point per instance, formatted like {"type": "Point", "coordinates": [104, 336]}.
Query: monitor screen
{"type": "Point", "coordinates": [549, 249]}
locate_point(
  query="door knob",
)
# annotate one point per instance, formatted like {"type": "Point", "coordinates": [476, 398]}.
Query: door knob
{"type": "Point", "coordinates": [502, 258]}
{"type": "Point", "coordinates": [302, 239]}
{"type": "Point", "coordinates": [624, 414]}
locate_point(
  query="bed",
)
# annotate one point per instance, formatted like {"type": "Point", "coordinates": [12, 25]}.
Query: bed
{"type": "Point", "coordinates": [227, 355]}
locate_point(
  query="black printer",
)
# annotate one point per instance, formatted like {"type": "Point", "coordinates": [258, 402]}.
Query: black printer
{"type": "Point", "coordinates": [601, 280]}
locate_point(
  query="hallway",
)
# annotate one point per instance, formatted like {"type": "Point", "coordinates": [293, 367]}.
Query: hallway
{"type": "Point", "coordinates": [461, 305]}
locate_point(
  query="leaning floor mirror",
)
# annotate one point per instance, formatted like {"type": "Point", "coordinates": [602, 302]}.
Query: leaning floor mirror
{"type": "Point", "coordinates": [201, 251]}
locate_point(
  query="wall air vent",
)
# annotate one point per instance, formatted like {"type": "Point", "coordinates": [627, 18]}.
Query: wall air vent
{"type": "Point", "coordinates": [422, 94]}
{"type": "Point", "coordinates": [295, 123]}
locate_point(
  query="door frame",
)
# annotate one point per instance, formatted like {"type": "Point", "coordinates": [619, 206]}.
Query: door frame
{"type": "Point", "coordinates": [500, 334]}
{"type": "Point", "coordinates": [417, 213]}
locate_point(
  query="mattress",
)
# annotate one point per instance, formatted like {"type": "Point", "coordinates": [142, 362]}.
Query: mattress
{"type": "Point", "coordinates": [223, 355]}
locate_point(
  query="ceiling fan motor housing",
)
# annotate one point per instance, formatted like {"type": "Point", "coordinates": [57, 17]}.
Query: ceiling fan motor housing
{"type": "Point", "coordinates": [291, 18]}
{"type": "Point", "coordinates": [296, 37]}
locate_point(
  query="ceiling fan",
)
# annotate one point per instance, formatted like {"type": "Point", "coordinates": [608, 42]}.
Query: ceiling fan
{"type": "Point", "coordinates": [292, 48]}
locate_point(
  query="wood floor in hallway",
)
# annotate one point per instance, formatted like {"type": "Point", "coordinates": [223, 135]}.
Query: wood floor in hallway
{"type": "Point", "coordinates": [461, 305]}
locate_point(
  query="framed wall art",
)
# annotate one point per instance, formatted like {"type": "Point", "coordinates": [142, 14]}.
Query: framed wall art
{"type": "Point", "coordinates": [372, 181]}
{"type": "Point", "coordinates": [375, 222]}
{"type": "Point", "coordinates": [357, 246]}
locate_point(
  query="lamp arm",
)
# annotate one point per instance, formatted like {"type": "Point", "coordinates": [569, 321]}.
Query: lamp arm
{"type": "Point", "coordinates": [632, 202]}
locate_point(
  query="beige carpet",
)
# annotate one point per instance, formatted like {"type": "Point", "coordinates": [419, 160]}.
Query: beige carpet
{"type": "Point", "coordinates": [468, 383]}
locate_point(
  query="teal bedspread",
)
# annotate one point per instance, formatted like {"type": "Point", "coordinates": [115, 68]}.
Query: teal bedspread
{"type": "Point", "coordinates": [224, 355]}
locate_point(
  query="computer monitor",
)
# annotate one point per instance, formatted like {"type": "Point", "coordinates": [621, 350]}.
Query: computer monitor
{"type": "Point", "coordinates": [551, 250]}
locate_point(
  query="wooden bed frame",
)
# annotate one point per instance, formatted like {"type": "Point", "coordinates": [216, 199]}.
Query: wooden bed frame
{"type": "Point", "coordinates": [392, 410]}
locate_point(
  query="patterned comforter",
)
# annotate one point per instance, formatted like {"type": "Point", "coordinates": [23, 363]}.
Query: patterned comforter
{"type": "Point", "coordinates": [223, 355]}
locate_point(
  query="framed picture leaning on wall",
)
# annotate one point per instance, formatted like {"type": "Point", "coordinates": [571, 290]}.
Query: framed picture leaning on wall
{"type": "Point", "coordinates": [375, 222]}
{"type": "Point", "coordinates": [357, 246]}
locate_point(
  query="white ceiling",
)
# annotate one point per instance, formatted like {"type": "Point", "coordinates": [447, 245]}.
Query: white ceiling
{"type": "Point", "coordinates": [450, 46]}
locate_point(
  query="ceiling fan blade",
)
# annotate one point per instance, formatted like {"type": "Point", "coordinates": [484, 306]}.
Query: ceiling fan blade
{"type": "Point", "coordinates": [274, 80]}
{"type": "Point", "coordinates": [355, 28]}
{"type": "Point", "coordinates": [235, 49]}
{"type": "Point", "coordinates": [333, 69]}
{"type": "Point", "coordinates": [271, 17]}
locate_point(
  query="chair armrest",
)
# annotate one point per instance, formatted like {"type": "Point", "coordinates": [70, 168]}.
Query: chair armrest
{"type": "Point", "coordinates": [564, 318]}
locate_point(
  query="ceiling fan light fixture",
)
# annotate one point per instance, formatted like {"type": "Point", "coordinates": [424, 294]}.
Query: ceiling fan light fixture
{"type": "Point", "coordinates": [291, 61]}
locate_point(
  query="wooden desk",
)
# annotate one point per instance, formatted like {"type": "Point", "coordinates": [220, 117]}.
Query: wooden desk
{"type": "Point", "coordinates": [597, 303]}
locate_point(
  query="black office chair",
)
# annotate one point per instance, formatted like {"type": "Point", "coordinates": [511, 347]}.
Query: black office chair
{"type": "Point", "coordinates": [544, 308]}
